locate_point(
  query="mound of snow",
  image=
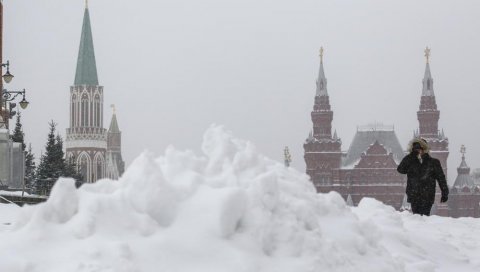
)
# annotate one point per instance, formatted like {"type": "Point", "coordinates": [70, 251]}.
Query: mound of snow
{"type": "Point", "coordinates": [230, 209]}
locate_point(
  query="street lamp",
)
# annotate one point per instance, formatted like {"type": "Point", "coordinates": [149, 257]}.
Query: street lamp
{"type": "Point", "coordinates": [10, 96]}
{"type": "Point", "coordinates": [24, 103]}
{"type": "Point", "coordinates": [7, 76]}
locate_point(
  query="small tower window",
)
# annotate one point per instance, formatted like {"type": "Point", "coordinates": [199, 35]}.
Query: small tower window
{"type": "Point", "coordinates": [84, 112]}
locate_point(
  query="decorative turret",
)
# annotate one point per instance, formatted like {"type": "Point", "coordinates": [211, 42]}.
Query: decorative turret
{"type": "Point", "coordinates": [115, 163]}
{"type": "Point", "coordinates": [463, 179]}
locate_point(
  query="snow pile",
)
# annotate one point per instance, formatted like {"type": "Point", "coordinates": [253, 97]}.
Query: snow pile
{"type": "Point", "coordinates": [231, 209]}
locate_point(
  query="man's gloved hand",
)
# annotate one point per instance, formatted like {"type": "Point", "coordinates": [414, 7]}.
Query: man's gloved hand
{"type": "Point", "coordinates": [444, 198]}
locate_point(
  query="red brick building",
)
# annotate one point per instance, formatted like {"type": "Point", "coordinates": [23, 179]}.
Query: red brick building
{"type": "Point", "coordinates": [464, 197]}
{"type": "Point", "coordinates": [369, 167]}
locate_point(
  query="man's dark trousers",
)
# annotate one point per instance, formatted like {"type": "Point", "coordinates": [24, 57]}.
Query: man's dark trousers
{"type": "Point", "coordinates": [421, 207]}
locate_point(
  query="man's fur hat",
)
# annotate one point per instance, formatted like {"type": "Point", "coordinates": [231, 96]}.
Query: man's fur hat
{"type": "Point", "coordinates": [422, 142]}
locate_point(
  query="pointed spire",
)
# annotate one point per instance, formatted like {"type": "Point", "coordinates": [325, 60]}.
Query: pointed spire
{"type": "Point", "coordinates": [321, 81]}
{"type": "Point", "coordinates": [86, 73]}
{"type": "Point", "coordinates": [114, 124]}
{"type": "Point", "coordinates": [427, 78]}
{"type": "Point", "coordinates": [463, 179]}
{"type": "Point", "coordinates": [335, 136]}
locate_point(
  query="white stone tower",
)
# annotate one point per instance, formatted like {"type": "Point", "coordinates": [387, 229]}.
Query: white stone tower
{"type": "Point", "coordinates": [86, 141]}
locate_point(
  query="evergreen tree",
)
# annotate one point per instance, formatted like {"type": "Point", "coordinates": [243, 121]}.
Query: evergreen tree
{"type": "Point", "coordinates": [29, 168]}
{"type": "Point", "coordinates": [47, 169]}
{"type": "Point", "coordinates": [53, 164]}
{"type": "Point", "coordinates": [18, 135]}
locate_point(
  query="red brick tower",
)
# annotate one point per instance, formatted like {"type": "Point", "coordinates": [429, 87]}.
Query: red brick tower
{"type": "Point", "coordinates": [322, 150]}
{"type": "Point", "coordinates": [428, 116]}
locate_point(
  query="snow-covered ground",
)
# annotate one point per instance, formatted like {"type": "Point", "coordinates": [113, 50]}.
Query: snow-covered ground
{"type": "Point", "coordinates": [230, 209]}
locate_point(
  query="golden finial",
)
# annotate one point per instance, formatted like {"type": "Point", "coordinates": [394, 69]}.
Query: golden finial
{"type": "Point", "coordinates": [427, 54]}
{"type": "Point", "coordinates": [463, 150]}
{"type": "Point", "coordinates": [113, 105]}
{"type": "Point", "coordinates": [321, 54]}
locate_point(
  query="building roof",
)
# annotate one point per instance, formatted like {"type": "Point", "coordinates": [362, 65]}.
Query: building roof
{"type": "Point", "coordinates": [365, 138]}
{"type": "Point", "coordinates": [463, 178]}
{"type": "Point", "coordinates": [86, 73]}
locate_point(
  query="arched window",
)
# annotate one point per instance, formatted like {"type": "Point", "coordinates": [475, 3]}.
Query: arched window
{"type": "Point", "coordinates": [97, 110]}
{"type": "Point", "coordinates": [83, 164]}
{"type": "Point", "coordinates": [90, 110]}
{"type": "Point", "coordinates": [99, 163]}
{"type": "Point", "coordinates": [99, 170]}
{"type": "Point", "coordinates": [84, 120]}
{"type": "Point", "coordinates": [73, 112]}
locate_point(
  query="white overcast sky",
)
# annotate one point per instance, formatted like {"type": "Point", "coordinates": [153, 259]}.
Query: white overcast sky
{"type": "Point", "coordinates": [173, 67]}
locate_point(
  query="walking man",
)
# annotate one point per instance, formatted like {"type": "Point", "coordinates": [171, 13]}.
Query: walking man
{"type": "Point", "coordinates": [423, 172]}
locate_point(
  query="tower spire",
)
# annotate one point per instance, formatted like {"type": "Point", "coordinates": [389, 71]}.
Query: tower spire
{"type": "Point", "coordinates": [114, 123]}
{"type": "Point", "coordinates": [427, 78]}
{"type": "Point", "coordinates": [86, 73]}
{"type": "Point", "coordinates": [322, 80]}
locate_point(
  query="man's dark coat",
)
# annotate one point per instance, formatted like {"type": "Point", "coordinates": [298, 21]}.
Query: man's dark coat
{"type": "Point", "coordinates": [422, 177]}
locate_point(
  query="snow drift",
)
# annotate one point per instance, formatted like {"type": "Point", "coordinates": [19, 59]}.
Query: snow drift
{"type": "Point", "coordinates": [231, 209]}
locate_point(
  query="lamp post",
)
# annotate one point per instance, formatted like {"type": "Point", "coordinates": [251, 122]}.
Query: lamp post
{"type": "Point", "coordinates": [7, 77]}
{"type": "Point", "coordinates": [9, 96]}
